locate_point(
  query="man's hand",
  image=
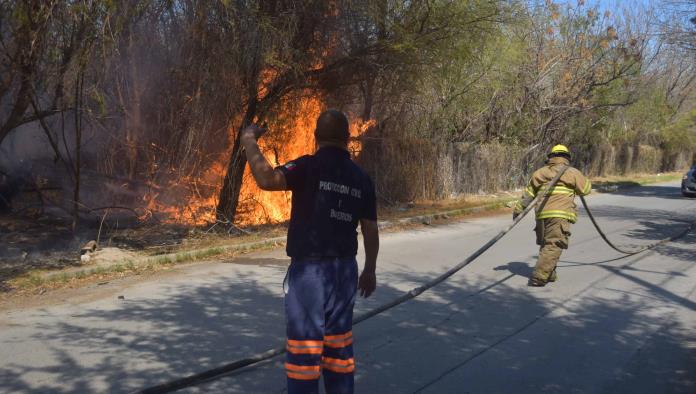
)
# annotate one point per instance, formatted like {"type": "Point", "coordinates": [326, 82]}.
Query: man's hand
{"type": "Point", "coordinates": [252, 133]}
{"type": "Point", "coordinates": [367, 283]}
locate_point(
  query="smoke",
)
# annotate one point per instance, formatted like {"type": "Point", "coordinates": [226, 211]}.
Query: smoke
{"type": "Point", "coordinates": [153, 125]}
{"type": "Point", "coordinates": [35, 176]}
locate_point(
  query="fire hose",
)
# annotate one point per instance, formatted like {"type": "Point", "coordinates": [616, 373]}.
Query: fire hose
{"type": "Point", "coordinates": [542, 198]}
{"type": "Point", "coordinates": [631, 252]}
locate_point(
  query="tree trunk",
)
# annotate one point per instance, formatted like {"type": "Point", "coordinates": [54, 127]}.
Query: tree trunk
{"type": "Point", "coordinates": [18, 110]}
{"type": "Point", "coordinates": [232, 185]}
{"type": "Point", "coordinates": [133, 114]}
{"type": "Point", "coordinates": [78, 150]}
{"type": "Point", "coordinates": [368, 96]}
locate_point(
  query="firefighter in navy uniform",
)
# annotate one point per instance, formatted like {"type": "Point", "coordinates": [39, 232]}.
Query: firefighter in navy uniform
{"type": "Point", "coordinates": [554, 215]}
{"type": "Point", "coordinates": [331, 195]}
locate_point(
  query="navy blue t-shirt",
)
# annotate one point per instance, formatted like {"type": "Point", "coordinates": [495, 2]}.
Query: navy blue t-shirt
{"type": "Point", "coordinates": [330, 194]}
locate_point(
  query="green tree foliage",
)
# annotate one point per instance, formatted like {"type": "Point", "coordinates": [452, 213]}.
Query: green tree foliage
{"type": "Point", "coordinates": [163, 86]}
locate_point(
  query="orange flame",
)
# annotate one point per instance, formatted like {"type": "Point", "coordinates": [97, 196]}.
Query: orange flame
{"type": "Point", "coordinates": [196, 198]}
{"type": "Point", "coordinates": [291, 140]}
{"type": "Point", "coordinates": [187, 200]}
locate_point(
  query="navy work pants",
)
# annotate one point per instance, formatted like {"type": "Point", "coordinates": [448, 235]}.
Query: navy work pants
{"type": "Point", "coordinates": [319, 299]}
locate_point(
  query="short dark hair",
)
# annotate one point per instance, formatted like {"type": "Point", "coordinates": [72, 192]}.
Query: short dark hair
{"type": "Point", "coordinates": [332, 127]}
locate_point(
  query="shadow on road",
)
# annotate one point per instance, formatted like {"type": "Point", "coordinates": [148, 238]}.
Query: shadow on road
{"type": "Point", "coordinates": [435, 343]}
{"type": "Point", "coordinates": [518, 268]}
{"type": "Point", "coordinates": [431, 343]}
{"type": "Point", "coordinates": [651, 225]}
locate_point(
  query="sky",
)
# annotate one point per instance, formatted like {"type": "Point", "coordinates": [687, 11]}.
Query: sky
{"type": "Point", "coordinates": [657, 6]}
{"type": "Point", "coordinates": [613, 4]}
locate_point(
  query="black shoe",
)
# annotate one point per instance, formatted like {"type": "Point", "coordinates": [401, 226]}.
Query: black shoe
{"type": "Point", "coordinates": [535, 282]}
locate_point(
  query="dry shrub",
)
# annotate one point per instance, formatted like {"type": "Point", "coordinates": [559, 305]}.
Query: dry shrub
{"type": "Point", "coordinates": [486, 168]}
{"type": "Point", "coordinates": [624, 162]}
{"type": "Point", "coordinates": [403, 169]}
{"type": "Point", "coordinates": [601, 161]}
{"type": "Point", "coordinates": [447, 174]}
{"type": "Point", "coordinates": [407, 169]}
{"type": "Point", "coordinates": [648, 159]}
{"type": "Point", "coordinates": [674, 161]}
{"type": "Point", "coordinates": [626, 159]}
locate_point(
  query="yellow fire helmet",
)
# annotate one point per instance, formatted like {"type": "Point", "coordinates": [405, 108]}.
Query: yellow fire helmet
{"type": "Point", "coordinates": [562, 149]}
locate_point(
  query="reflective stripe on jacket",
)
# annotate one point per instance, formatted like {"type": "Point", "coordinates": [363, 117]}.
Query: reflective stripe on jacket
{"type": "Point", "coordinates": [561, 201]}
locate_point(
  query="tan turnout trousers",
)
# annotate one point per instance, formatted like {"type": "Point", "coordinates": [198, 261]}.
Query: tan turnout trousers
{"type": "Point", "coordinates": [552, 238]}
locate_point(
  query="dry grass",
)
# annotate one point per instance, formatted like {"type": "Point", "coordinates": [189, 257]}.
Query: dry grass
{"type": "Point", "coordinates": [203, 247]}
{"type": "Point", "coordinates": [610, 183]}
{"type": "Point", "coordinates": [37, 283]}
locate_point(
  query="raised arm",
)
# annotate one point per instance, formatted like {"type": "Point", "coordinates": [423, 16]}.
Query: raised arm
{"type": "Point", "coordinates": [265, 176]}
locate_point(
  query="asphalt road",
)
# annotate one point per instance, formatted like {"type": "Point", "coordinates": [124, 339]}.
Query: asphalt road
{"type": "Point", "coordinates": [610, 325]}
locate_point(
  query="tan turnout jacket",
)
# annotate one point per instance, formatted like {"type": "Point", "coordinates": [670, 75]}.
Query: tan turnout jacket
{"type": "Point", "coordinates": [561, 202]}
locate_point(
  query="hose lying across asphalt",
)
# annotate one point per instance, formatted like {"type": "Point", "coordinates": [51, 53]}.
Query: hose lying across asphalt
{"type": "Point", "coordinates": [413, 293]}
{"type": "Point", "coordinates": [631, 252]}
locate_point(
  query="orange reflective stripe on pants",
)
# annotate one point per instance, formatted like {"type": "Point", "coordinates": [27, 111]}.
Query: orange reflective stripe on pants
{"type": "Point", "coordinates": [338, 365]}
{"type": "Point", "coordinates": [303, 372]}
{"type": "Point", "coordinates": [338, 341]}
{"type": "Point", "coordinates": [304, 347]}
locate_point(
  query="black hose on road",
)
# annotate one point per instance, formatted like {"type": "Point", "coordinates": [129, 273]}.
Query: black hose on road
{"type": "Point", "coordinates": [541, 198]}
{"type": "Point", "coordinates": [210, 374]}
{"type": "Point", "coordinates": [631, 252]}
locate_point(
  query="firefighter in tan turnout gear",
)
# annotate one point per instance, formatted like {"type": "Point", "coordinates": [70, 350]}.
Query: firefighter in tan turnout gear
{"type": "Point", "coordinates": [555, 213]}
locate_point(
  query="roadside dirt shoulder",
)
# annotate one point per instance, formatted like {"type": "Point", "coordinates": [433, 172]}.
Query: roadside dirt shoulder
{"type": "Point", "coordinates": [106, 275]}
